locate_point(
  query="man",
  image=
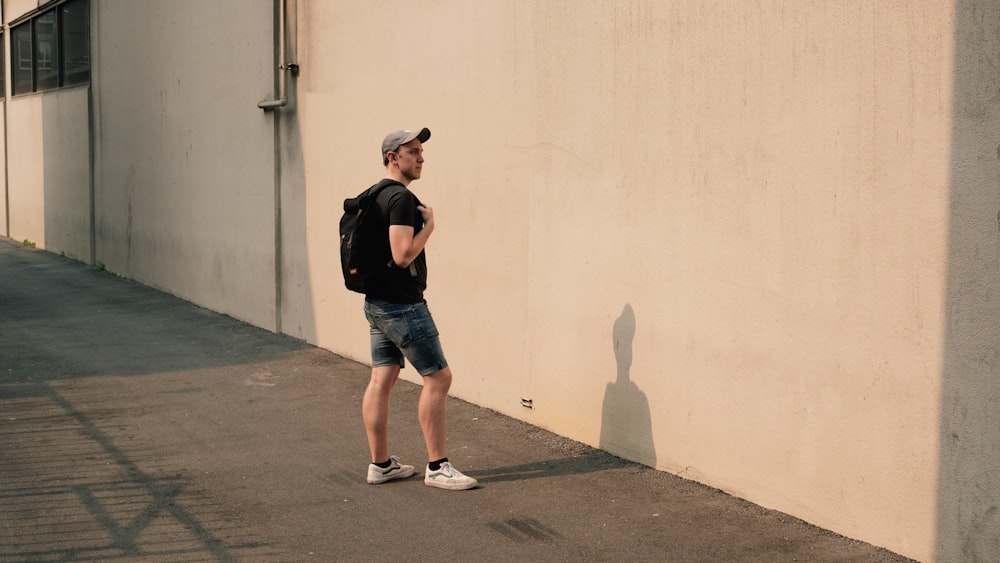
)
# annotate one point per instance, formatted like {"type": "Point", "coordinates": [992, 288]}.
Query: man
{"type": "Point", "coordinates": [401, 323]}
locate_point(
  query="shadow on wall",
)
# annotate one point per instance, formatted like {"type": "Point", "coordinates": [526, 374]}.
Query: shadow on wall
{"type": "Point", "coordinates": [968, 507]}
{"type": "Point", "coordinates": [294, 299]}
{"type": "Point", "coordinates": [626, 427]}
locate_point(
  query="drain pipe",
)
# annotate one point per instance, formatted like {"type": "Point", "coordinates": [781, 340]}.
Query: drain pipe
{"type": "Point", "coordinates": [282, 99]}
{"type": "Point", "coordinates": [6, 139]}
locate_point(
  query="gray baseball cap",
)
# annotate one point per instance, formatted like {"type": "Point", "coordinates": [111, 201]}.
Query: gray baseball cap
{"type": "Point", "coordinates": [396, 139]}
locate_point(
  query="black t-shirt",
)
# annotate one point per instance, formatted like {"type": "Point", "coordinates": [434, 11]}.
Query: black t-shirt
{"type": "Point", "coordinates": [398, 206]}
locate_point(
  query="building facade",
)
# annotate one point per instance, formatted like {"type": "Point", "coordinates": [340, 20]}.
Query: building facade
{"type": "Point", "coordinates": [751, 243]}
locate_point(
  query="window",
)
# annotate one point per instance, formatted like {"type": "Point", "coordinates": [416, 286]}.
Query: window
{"type": "Point", "coordinates": [75, 35]}
{"type": "Point", "coordinates": [51, 49]}
{"type": "Point", "coordinates": [46, 55]}
{"type": "Point", "coordinates": [20, 68]}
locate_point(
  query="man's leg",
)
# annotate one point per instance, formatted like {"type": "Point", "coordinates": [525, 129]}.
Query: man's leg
{"type": "Point", "coordinates": [433, 403]}
{"type": "Point", "coordinates": [375, 410]}
{"type": "Point", "coordinates": [432, 411]}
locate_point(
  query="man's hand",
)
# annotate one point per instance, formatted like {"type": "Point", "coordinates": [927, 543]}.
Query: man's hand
{"type": "Point", "coordinates": [428, 215]}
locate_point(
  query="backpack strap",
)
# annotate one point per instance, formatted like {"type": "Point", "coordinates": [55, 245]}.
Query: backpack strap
{"type": "Point", "coordinates": [382, 184]}
{"type": "Point", "coordinates": [352, 204]}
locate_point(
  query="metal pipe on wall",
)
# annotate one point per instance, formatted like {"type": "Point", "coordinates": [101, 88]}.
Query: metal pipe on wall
{"type": "Point", "coordinates": [6, 104]}
{"type": "Point", "coordinates": [282, 99]}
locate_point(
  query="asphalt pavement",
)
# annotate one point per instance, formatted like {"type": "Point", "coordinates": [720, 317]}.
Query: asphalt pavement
{"type": "Point", "coordinates": [135, 426]}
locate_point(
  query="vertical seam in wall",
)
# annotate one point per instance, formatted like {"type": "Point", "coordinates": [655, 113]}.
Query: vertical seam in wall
{"type": "Point", "coordinates": [6, 166]}
{"type": "Point", "coordinates": [6, 140]}
{"type": "Point", "coordinates": [277, 178]}
{"type": "Point", "coordinates": [277, 226]}
{"type": "Point", "coordinates": [93, 119]}
{"type": "Point", "coordinates": [90, 187]}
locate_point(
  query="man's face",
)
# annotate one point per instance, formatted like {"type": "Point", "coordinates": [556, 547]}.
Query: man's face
{"type": "Point", "coordinates": [410, 159]}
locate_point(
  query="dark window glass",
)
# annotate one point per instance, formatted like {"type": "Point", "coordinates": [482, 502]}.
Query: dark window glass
{"type": "Point", "coordinates": [75, 29]}
{"type": "Point", "coordinates": [20, 57]}
{"type": "Point", "coordinates": [46, 52]}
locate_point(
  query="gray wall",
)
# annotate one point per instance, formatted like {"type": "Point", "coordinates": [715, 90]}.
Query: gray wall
{"type": "Point", "coordinates": [184, 159]}
{"type": "Point", "coordinates": [968, 513]}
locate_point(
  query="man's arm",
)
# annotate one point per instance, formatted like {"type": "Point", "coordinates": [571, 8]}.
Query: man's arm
{"type": "Point", "coordinates": [404, 245]}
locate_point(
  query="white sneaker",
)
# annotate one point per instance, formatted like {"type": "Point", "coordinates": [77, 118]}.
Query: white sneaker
{"type": "Point", "coordinates": [395, 470]}
{"type": "Point", "coordinates": [448, 478]}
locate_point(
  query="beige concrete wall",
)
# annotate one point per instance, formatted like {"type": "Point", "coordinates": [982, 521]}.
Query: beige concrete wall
{"type": "Point", "coordinates": [13, 9]}
{"type": "Point", "coordinates": [26, 157]}
{"type": "Point", "coordinates": [751, 243]}
{"type": "Point", "coordinates": [710, 236]}
{"type": "Point", "coordinates": [25, 177]}
{"type": "Point", "coordinates": [66, 172]}
{"type": "Point", "coordinates": [184, 159]}
{"type": "Point", "coordinates": [48, 176]}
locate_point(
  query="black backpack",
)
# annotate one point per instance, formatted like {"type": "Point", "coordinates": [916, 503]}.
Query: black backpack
{"type": "Point", "coordinates": [362, 240]}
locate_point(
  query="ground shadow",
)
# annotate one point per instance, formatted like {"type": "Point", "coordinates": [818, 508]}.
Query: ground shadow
{"type": "Point", "coordinates": [69, 493]}
{"type": "Point", "coordinates": [590, 461]}
{"type": "Point", "coordinates": [626, 425]}
{"type": "Point", "coordinates": [67, 489]}
{"type": "Point", "coordinates": [62, 319]}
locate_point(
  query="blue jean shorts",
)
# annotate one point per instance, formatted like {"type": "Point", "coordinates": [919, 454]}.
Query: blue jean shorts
{"type": "Point", "coordinates": [404, 330]}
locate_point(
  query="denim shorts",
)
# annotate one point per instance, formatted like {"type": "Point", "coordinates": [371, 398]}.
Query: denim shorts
{"type": "Point", "coordinates": [404, 330]}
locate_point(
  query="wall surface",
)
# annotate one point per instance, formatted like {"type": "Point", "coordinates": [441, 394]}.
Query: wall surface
{"type": "Point", "coordinates": [26, 161]}
{"type": "Point", "coordinates": [752, 243]}
{"type": "Point", "coordinates": [14, 9]}
{"type": "Point", "coordinates": [184, 159]}
{"type": "Point", "coordinates": [48, 163]}
{"type": "Point", "coordinates": [968, 522]}
{"type": "Point", "coordinates": [66, 172]}
{"type": "Point", "coordinates": [713, 237]}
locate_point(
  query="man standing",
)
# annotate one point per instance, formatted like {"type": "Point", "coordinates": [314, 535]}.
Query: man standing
{"type": "Point", "coordinates": [401, 323]}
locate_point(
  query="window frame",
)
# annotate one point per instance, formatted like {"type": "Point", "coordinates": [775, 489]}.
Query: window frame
{"type": "Point", "coordinates": [64, 60]}
{"type": "Point", "coordinates": [57, 58]}
{"type": "Point", "coordinates": [22, 64]}
{"type": "Point", "coordinates": [45, 62]}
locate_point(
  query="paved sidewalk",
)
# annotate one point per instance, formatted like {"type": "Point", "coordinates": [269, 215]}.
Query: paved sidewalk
{"type": "Point", "coordinates": [135, 426]}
